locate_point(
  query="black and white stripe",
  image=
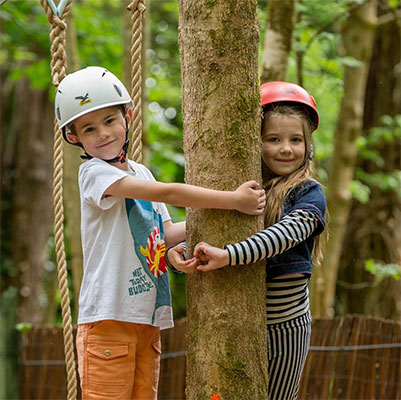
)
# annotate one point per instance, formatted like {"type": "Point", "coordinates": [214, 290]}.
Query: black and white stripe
{"type": "Point", "coordinates": [288, 347]}
{"type": "Point", "coordinates": [289, 331]}
{"type": "Point", "coordinates": [286, 298]}
{"type": "Point", "coordinates": [293, 229]}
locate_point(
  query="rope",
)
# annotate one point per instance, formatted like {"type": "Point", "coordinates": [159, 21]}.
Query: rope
{"type": "Point", "coordinates": [58, 70]}
{"type": "Point", "coordinates": [138, 8]}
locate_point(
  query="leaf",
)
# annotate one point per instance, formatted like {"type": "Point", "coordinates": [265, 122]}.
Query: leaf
{"type": "Point", "coordinates": [23, 327]}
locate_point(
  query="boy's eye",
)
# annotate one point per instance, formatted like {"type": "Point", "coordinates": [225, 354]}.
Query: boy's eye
{"type": "Point", "coordinates": [110, 121]}
{"type": "Point", "coordinates": [88, 130]}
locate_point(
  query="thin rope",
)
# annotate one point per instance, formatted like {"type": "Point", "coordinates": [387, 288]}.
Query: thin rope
{"type": "Point", "coordinates": [138, 8]}
{"type": "Point", "coordinates": [58, 66]}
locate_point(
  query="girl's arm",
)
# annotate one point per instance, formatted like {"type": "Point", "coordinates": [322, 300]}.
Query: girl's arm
{"type": "Point", "coordinates": [246, 198]}
{"type": "Point", "coordinates": [293, 229]}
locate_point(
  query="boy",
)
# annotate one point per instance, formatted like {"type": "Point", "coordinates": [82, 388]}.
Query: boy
{"type": "Point", "coordinates": [125, 296]}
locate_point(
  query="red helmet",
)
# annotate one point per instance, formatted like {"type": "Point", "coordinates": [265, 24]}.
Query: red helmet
{"type": "Point", "coordinates": [287, 92]}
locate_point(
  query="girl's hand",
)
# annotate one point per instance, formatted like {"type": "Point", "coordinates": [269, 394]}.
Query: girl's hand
{"type": "Point", "coordinates": [176, 259]}
{"type": "Point", "coordinates": [250, 200]}
{"type": "Point", "coordinates": [211, 257]}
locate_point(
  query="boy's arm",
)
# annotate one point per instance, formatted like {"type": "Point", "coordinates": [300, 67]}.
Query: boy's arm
{"type": "Point", "coordinates": [175, 259]}
{"type": "Point", "coordinates": [246, 198]}
{"type": "Point", "coordinates": [174, 233]}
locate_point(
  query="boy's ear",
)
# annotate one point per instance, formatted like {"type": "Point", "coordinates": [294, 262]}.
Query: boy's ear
{"type": "Point", "coordinates": [72, 138]}
{"type": "Point", "coordinates": [128, 115]}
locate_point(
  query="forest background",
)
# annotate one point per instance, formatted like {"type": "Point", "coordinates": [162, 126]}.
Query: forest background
{"type": "Point", "coordinates": [357, 87]}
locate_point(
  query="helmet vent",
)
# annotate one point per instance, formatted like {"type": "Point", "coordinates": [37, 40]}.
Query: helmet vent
{"type": "Point", "coordinates": [290, 92]}
{"type": "Point", "coordinates": [58, 113]}
{"type": "Point", "coordinates": [118, 90]}
{"type": "Point", "coordinates": [104, 73]}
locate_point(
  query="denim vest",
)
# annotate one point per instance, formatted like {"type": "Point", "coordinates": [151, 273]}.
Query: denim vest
{"type": "Point", "coordinates": [307, 196]}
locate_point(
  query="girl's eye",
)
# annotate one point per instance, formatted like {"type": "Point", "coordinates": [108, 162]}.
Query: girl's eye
{"type": "Point", "coordinates": [297, 140]}
{"type": "Point", "coordinates": [272, 140]}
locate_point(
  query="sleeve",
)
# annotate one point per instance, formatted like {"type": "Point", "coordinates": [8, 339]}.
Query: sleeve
{"type": "Point", "coordinates": [95, 176]}
{"type": "Point", "coordinates": [164, 212]}
{"type": "Point", "coordinates": [311, 198]}
{"type": "Point", "coordinates": [293, 229]}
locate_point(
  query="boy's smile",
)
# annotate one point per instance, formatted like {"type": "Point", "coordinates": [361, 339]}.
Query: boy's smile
{"type": "Point", "coordinates": [283, 148]}
{"type": "Point", "coordinates": [102, 132]}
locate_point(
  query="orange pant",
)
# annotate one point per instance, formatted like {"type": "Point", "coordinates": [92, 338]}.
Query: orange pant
{"type": "Point", "coordinates": [118, 360]}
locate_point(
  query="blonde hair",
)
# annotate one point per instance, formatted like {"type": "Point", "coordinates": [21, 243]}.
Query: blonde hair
{"type": "Point", "coordinates": [278, 187]}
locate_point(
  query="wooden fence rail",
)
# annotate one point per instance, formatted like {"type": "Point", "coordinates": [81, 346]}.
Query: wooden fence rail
{"type": "Point", "coordinates": [351, 358]}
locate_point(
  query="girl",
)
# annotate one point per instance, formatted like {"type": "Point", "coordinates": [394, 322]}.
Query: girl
{"type": "Point", "coordinates": [294, 219]}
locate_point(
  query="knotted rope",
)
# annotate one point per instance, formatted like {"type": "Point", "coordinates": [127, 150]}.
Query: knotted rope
{"type": "Point", "coordinates": [138, 8]}
{"type": "Point", "coordinates": [58, 70]}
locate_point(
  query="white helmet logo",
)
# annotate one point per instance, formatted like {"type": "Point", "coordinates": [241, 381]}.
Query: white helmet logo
{"type": "Point", "coordinates": [84, 99]}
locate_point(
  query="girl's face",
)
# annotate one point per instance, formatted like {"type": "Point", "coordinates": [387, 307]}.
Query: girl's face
{"type": "Point", "coordinates": [283, 147]}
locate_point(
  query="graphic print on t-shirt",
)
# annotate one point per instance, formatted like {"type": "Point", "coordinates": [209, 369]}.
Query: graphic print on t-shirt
{"type": "Point", "coordinates": [146, 228]}
{"type": "Point", "coordinates": [154, 253]}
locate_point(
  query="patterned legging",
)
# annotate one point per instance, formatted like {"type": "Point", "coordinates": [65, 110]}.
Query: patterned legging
{"type": "Point", "coordinates": [288, 346]}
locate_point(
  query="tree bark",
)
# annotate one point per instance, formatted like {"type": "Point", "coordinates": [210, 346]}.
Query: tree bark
{"type": "Point", "coordinates": [384, 207]}
{"type": "Point", "coordinates": [358, 34]}
{"type": "Point", "coordinates": [280, 23]}
{"type": "Point", "coordinates": [32, 210]}
{"type": "Point", "coordinates": [227, 352]}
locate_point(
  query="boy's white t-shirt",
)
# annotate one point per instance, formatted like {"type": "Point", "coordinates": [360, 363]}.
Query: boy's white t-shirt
{"type": "Point", "coordinates": [125, 275]}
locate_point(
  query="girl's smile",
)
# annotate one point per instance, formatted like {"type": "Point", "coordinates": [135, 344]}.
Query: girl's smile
{"type": "Point", "coordinates": [283, 147]}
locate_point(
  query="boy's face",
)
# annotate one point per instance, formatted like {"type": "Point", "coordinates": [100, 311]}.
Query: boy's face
{"type": "Point", "coordinates": [101, 132]}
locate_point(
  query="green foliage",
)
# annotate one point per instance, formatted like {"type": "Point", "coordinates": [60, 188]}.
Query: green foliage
{"type": "Point", "coordinates": [381, 270]}
{"type": "Point", "coordinates": [370, 149]}
{"type": "Point", "coordinates": [385, 181]}
{"type": "Point", "coordinates": [360, 191]}
{"type": "Point", "coordinates": [23, 327]}
{"type": "Point", "coordinates": [98, 26]}
{"type": "Point", "coordinates": [25, 42]}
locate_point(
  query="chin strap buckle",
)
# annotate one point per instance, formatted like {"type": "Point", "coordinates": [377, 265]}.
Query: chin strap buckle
{"type": "Point", "coordinates": [122, 157]}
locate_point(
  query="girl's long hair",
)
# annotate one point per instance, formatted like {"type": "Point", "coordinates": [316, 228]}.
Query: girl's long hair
{"type": "Point", "coordinates": [278, 187]}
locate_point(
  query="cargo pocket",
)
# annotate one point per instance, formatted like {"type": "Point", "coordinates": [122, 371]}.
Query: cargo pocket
{"type": "Point", "coordinates": [108, 364]}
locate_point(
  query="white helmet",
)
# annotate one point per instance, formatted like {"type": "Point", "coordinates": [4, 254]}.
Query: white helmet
{"type": "Point", "coordinates": [87, 90]}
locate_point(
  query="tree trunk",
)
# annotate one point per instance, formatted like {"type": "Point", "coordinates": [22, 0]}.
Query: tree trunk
{"type": "Point", "coordinates": [384, 207]}
{"type": "Point", "coordinates": [227, 352]}
{"type": "Point", "coordinates": [280, 22]}
{"type": "Point", "coordinates": [32, 210]}
{"type": "Point", "coordinates": [358, 35]}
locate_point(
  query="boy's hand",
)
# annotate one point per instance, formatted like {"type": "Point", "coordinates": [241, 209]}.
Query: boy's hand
{"type": "Point", "coordinates": [176, 259]}
{"type": "Point", "coordinates": [250, 200]}
{"type": "Point", "coordinates": [211, 257]}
